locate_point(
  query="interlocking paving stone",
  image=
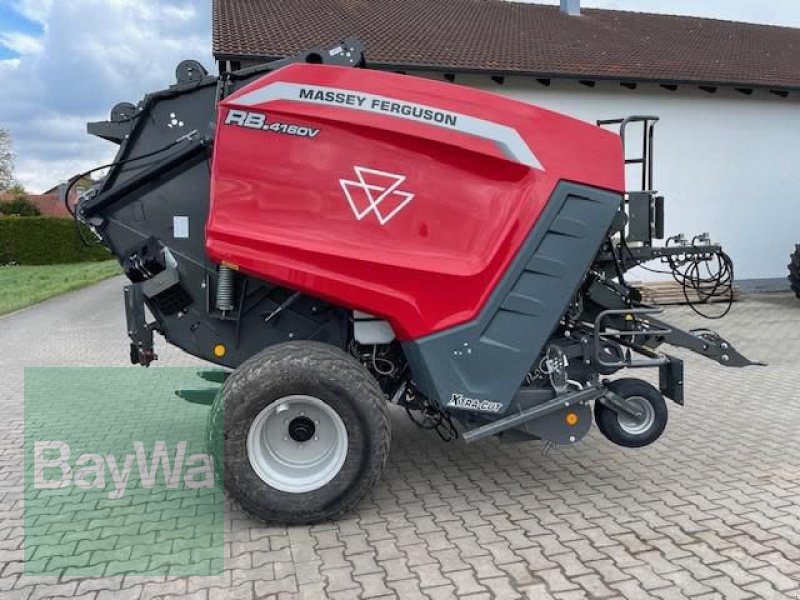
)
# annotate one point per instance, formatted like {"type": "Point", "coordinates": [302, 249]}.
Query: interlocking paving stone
{"type": "Point", "coordinates": [710, 511]}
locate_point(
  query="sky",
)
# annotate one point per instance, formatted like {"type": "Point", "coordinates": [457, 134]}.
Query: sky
{"type": "Point", "coordinates": [66, 62]}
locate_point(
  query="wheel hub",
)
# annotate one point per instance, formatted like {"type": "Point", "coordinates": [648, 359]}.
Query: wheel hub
{"type": "Point", "coordinates": [641, 424]}
{"type": "Point", "coordinates": [301, 429]}
{"type": "Point", "coordinates": [297, 444]}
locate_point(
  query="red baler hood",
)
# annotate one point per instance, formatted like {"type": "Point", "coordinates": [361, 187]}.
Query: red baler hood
{"type": "Point", "coordinates": [403, 197]}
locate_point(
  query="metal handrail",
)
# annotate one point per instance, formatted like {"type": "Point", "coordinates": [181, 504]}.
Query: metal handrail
{"type": "Point", "coordinates": [646, 159]}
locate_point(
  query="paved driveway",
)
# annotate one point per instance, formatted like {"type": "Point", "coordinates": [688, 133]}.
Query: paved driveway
{"type": "Point", "coordinates": [711, 511]}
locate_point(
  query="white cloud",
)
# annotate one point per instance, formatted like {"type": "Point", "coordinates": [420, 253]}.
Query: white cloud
{"type": "Point", "coordinates": [9, 63]}
{"type": "Point", "coordinates": [92, 54]}
{"type": "Point", "coordinates": [774, 12]}
{"type": "Point", "coordinates": [35, 10]}
{"type": "Point", "coordinates": [182, 13]}
{"type": "Point", "coordinates": [20, 43]}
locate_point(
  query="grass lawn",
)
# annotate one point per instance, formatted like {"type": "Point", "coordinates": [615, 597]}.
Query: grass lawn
{"type": "Point", "coordinates": [21, 286]}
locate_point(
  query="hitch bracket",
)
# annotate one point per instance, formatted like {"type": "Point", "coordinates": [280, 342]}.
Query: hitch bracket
{"type": "Point", "coordinates": [139, 331]}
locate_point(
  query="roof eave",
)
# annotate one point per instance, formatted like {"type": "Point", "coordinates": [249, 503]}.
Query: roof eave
{"type": "Point", "coordinates": [538, 74]}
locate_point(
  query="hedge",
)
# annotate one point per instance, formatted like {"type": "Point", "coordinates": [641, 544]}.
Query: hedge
{"type": "Point", "coordinates": [45, 241]}
{"type": "Point", "coordinates": [21, 206]}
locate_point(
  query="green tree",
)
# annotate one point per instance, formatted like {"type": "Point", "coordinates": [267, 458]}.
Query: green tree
{"type": "Point", "coordinates": [17, 190]}
{"type": "Point", "coordinates": [19, 205]}
{"type": "Point", "coordinates": [6, 161]}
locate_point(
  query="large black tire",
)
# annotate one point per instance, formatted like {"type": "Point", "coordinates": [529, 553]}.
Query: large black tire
{"type": "Point", "coordinates": [794, 271]}
{"type": "Point", "coordinates": [308, 369]}
{"type": "Point", "coordinates": [624, 433]}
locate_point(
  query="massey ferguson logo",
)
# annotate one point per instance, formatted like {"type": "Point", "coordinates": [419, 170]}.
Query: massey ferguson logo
{"type": "Point", "coordinates": [461, 401]}
{"type": "Point", "coordinates": [376, 192]}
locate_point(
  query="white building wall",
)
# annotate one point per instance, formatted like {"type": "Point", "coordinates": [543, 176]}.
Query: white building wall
{"type": "Point", "coordinates": [727, 163]}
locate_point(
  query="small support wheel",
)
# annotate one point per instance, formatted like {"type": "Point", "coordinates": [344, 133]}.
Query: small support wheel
{"type": "Point", "coordinates": [627, 430]}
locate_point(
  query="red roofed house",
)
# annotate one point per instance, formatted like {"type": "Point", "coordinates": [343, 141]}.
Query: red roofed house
{"type": "Point", "coordinates": [80, 186]}
{"type": "Point", "coordinates": [728, 93]}
{"type": "Point", "coordinates": [48, 204]}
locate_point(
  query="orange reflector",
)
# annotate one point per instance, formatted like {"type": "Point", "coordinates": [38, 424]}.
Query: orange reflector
{"type": "Point", "coordinates": [219, 350]}
{"type": "Point", "coordinates": [571, 419]}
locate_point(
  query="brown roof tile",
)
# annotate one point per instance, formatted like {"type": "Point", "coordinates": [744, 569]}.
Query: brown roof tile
{"type": "Point", "coordinates": [509, 37]}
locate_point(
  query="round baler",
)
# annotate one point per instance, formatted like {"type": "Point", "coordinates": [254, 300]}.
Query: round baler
{"type": "Point", "coordinates": [341, 239]}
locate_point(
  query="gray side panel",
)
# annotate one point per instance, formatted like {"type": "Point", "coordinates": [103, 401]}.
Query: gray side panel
{"type": "Point", "coordinates": [487, 359]}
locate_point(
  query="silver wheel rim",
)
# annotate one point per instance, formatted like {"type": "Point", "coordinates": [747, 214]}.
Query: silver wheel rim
{"type": "Point", "coordinates": [283, 454]}
{"type": "Point", "coordinates": [637, 425]}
